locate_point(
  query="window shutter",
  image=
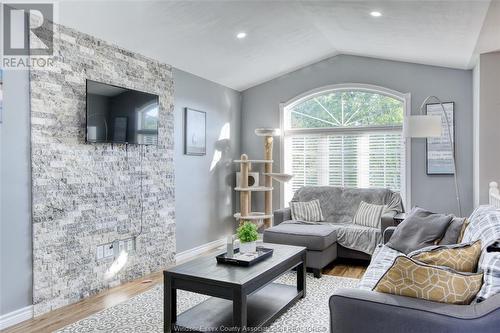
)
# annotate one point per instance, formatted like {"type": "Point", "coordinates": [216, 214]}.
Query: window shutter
{"type": "Point", "coordinates": [350, 160]}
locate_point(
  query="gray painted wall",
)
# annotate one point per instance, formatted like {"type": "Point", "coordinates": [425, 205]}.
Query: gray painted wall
{"type": "Point", "coordinates": [15, 194]}
{"type": "Point", "coordinates": [204, 197]}
{"type": "Point", "coordinates": [261, 109]}
{"type": "Point", "coordinates": [196, 225]}
{"type": "Point", "coordinates": [487, 122]}
{"type": "Point", "coordinates": [260, 105]}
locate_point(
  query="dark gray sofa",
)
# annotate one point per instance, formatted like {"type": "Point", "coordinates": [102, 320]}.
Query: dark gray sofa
{"type": "Point", "coordinates": [327, 241]}
{"type": "Point", "coordinates": [380, 312]}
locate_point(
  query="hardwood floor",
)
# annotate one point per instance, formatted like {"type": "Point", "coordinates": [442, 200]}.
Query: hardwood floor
{"type": "Point", "coordinates": [64, 316]}
{"type": "Point", "coordinates": [346, 268]}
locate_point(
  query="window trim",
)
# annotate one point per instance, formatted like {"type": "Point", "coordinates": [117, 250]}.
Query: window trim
{"type": "Point", "coordinates": [405, 98]}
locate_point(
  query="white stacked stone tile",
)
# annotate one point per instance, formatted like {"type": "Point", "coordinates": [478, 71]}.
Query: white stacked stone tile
{"type": "Point", "coordinates": [89, 194]}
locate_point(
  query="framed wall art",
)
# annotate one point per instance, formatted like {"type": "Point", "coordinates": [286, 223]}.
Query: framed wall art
{"type": "Point", "coordinates": [195, 132]}
{"type": "Point", "coordinates": [439, 151]}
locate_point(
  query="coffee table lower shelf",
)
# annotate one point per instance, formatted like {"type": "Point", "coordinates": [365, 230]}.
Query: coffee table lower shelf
{"type": "Point", "coordinates": [215, 313]}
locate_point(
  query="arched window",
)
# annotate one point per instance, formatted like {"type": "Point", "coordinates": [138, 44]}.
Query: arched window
{"type": "Point", "coordinates": [345, 136]}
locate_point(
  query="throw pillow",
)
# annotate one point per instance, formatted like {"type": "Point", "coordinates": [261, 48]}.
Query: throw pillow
{"type": "Point", "coordinates": [460, 257]}
{"type": "Point", "coordinates": [306, 211]}
{"type": "Point", "coordinates": [368, 215]}
{"type": "Point", "coordinates": [490, 265]}
{"type": "Point", "coordinates": [408, 277]}
{"type": "Point", "coordinates": [420, 229]}
{"type": "Point", "coordinates": [453, 231]}
{"type": "Point", "coordinates": [484, 225]}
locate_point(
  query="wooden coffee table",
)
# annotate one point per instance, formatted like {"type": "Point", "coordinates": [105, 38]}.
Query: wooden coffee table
{"type": "Point", "coordinates": [243, 297]}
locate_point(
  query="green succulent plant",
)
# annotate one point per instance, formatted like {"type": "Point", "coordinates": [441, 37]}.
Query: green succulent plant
{"type": "Point", "coordinates": [247, 232]}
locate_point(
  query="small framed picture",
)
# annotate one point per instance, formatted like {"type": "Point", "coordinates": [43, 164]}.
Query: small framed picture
{"type": "Point", "coordinates": [440, 152]}
{"type": "Point", "coordinates": [195, 132]}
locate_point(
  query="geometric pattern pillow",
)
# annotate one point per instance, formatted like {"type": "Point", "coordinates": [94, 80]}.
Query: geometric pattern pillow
{"type": "Point", "coordinates": [306, 211]}
{"type": "Point", "coordinates": [368, 215]}
{"type": "Point", "coordinates": [411, 278]}
{"type": "Point", "coordinates": [490, 265]}
{"type": "Point", "coordinates": [460, 257]}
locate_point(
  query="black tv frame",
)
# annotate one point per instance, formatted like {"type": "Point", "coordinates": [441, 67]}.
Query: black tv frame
{"type": "Point", "coordinates": [122, 87]}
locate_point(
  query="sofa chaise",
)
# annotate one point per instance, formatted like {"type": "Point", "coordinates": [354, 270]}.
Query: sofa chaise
{"type": "Point", "coordinates": [336, 236]}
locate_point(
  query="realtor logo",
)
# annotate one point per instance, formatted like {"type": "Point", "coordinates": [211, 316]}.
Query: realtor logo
{"type": "Point", "coordinates": [28, 29]}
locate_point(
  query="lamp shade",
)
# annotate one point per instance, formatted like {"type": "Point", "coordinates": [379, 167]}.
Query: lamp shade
{"type": "Point", "coordinates": [422, 127]}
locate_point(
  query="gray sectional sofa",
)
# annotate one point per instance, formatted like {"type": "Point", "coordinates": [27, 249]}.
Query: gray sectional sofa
{"type": "Point", "coordinates": [337, 236]}
{"type": "Point", "coordinates": [380, 312]}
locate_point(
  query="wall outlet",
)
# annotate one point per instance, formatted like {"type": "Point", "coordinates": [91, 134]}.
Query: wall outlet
{"type": "Point", "coordinates": [113, 250]}
{"type": "Point", "coordinates": [100, 252]}
{"type": "Point", "coordinates": [122, 246]}
{"type": "Point", "coordinates": [131, 245]}
{"type": "Point", "coordinates": [108, 250]}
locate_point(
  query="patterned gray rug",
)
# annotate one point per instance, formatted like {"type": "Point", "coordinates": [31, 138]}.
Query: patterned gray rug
{"type": "Point", "coordinates": [144, 313]}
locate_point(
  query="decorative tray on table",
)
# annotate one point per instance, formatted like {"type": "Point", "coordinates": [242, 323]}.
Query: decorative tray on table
{"type": "Point", "coordinates": [245, 259]}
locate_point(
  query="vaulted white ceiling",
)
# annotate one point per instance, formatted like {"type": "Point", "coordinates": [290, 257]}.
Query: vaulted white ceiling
{"type": "Point", "coordinates": [199, 36]}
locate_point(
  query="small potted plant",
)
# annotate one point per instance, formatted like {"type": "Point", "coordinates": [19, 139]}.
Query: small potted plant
{"type": "Point", "coordinates": [247, 234]}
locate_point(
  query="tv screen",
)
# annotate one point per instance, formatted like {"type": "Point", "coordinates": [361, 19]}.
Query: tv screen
{"type": "Point", "coordinates": [121, 115]}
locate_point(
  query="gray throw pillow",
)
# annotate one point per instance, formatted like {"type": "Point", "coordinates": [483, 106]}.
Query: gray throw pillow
{"type": "Point", "coordinates": [420, 229]}
{"type": "Point", "coordinates": [453, 231]}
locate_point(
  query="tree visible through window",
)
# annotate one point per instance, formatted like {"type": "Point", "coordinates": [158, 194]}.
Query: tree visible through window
{"type": "Point", "coordinates": [349, 138]}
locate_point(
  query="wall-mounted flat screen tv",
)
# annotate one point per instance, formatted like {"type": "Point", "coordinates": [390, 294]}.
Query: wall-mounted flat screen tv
{"type": "Point", "coordinates": [121, 115]}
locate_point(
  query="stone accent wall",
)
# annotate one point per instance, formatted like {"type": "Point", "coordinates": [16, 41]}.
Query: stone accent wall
{"type": "Point", "coordinates": [90, 194]}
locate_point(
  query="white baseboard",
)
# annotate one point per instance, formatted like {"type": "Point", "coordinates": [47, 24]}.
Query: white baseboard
{"type": "Point", "coordinates": [194, 252]}
{"type": "Point", "coordinates": [20, 315]}
{"type": "Point", "coordinates": [15, 317]}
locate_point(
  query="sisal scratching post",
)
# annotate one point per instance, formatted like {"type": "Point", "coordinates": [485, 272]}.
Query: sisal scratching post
{"type": "Point", "coordinates": [249, 193]}
{"type": "Point", "coordinates": [264, 218]}
{"type": "Point", "coordinates": [268, 168]}
{"type": "Point", "coordinates": [245, 195]}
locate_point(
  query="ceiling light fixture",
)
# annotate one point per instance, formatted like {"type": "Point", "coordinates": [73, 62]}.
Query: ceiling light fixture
{"type": "Point", "coordinates": [241, 35]}
{"type": "Point", "coordinates": [376, 14]}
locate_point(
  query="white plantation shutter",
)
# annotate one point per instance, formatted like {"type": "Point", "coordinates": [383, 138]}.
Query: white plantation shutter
{"type": "Point", "coordinates": [352, 160]}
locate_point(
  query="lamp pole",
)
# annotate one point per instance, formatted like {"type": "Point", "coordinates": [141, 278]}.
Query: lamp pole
{"type": "Point", "coordinates": [457, 191]}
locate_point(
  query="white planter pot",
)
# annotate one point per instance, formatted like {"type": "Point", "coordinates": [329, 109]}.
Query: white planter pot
{"type": "Point", "coordinates": [249, 247]}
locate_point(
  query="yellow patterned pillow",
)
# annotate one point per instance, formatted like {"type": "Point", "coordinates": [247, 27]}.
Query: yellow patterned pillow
{"type": "Point", "coordinates": [460, 257]}
{"type": "Point", "coordinates": [408, 277]}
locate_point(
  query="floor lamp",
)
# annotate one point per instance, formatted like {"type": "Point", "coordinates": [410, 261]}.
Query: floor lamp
{"type": "Point", "coordinates": [424, 126]}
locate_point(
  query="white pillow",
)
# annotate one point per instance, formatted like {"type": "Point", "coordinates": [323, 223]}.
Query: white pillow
{"type": "Point", "coordinates": [490, 265]}
{"type": "Point", "coordinates": [306, 211]}
{"type": "Point", "coordinates": [368, 215]}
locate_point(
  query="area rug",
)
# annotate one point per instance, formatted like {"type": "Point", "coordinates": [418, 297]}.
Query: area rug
{"type": "Point", "coordinates": [144, 313]}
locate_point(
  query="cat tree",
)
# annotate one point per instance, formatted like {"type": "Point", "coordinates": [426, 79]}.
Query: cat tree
{"type": "Point", "coordinates": [246, 213]}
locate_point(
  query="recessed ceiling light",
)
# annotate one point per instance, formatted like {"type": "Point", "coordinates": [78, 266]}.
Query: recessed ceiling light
{"type": "Point", "coordinates": [241, 35]}
{"type": "Point", "coordinates": [376, 14]}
